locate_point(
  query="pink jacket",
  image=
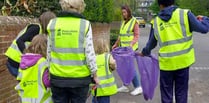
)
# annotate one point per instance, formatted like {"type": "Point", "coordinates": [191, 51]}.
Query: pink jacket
{"type": "Point", "coordinates": [28, 60]}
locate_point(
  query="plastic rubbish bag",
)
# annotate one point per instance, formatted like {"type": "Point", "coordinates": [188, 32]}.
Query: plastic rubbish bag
{"type": "Point", "coordinates": [149, 70]}
{"type": "Point", "coordinates": [124, 57]}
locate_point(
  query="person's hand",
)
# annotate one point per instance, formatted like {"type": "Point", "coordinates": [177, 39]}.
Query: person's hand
{"type": "Point", "coordinates": [114, 46]}
{"type": "Point", "coordinates": [199, 17]}
{"type": "Point", "coordinates": [96, 79]}
{"type": "Point", "coordinates": [139, 53]}
{"type": "Point", "coordinates": [131, 45]}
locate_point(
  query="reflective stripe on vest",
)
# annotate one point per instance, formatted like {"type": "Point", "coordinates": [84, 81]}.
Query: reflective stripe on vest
{"type": "Point", "coordinates": [67, 51]}
{"type": "Point", "coordinates": [31, 88]}
{"type": "Point", "coordinates": [107, 84]}
{"type": "Point", "coordinates": [126, 33]}
{"type": "Point", "coordinates": [13, 51]}
{"type": "Point", "coordinates": [175, 41]}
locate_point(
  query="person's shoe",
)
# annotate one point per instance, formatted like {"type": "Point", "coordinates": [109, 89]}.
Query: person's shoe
{"type": "Point", "coordinates": [137, 91]}
{"type": "Point", "coordinates": [123, 89]}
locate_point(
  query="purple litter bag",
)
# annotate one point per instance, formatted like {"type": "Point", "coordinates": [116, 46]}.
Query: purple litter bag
{"type": "Point", "coordinates": [124, 57]}
{"type": "Point", "coordinates": [149, 70]}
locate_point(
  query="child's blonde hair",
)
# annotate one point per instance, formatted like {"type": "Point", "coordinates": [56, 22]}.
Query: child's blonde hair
{"type": "Point", "coordinates": [38, 45]}
{"type": "Point", "coordinates": [101, 45]}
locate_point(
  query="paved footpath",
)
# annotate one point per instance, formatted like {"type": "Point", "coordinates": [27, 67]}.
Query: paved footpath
{"type": "Point", "coordinates": [198, 89]}
{"type": "Point", "coordinates": [199, 78]}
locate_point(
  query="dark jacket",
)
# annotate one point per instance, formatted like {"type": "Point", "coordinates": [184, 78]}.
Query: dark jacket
{"type": "Point", "coordinates": [31, 31]}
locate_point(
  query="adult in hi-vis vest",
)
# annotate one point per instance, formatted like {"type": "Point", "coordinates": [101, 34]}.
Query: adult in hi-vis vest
{"type": "Point", "coordinates": [71, 56]}
{"type": "Point", "coordinates": [172, 29]}
{"type": "Point", "coordinates": [33, 74]}
{"type": "Point", "coordinates": [23, 39]}
{"type": "Point", "coordinates": [106, 64]}
{"type": "Point", "coordinates": [129, 36]}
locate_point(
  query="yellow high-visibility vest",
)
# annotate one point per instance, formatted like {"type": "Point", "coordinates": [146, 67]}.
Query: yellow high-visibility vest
{"type": "Point", "coordinates": [175, 41]}
{"type": "Point", "coordinates": [13, 51]}
{"type": "Point", "coordinates": [31, 88]}
{"type": "Point", "coordinates": [107, 85]}
{"type": "Point", "coordinates": [127, 34]}
{"type": "Point", "coordinates": [67, 47]}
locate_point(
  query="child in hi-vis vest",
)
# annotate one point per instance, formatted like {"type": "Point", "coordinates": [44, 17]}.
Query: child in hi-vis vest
{"type": "Point", "coordinates": [33, 73]}
{"type": "Point", "coordinates": [105, 64]}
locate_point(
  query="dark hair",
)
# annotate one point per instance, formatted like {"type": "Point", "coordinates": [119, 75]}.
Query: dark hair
{"type": "Point", "coordinates": [165, 3]}
{"type": "Point", "coordinates": [126, 7]}
{"type": "Point", "coordinates": [44, 20]}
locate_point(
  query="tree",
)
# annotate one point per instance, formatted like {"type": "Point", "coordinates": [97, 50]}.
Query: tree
{"type": "Point", "coordinates": [155, 7]}
{"type": "Point", "coordinates": [198, 7]}
{"type": "Point", "coordinates": [117, 8]}
{"type": "Point", "coordinates": [31, 8]}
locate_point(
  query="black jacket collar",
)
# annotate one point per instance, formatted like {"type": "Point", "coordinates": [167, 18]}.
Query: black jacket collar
{"type": "Point", "coordinates": [70, 14]}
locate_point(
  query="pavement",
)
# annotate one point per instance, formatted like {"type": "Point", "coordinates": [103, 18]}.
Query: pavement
{"type": "Point", "coordinates": [198, 82]}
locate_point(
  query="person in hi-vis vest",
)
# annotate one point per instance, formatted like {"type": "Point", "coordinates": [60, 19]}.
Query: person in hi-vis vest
{"type": "Point", "coordinates": [23, 39]}
{"type": "Point", "coordinates": [172, 29]}
{"type": "Point", "coordinates": [33, 74]}
{"type": "Point", "coordinates": [106, 64]}
{"type": "Point", "coordinates": [129, 36]}
{"type": "Point", "coordinates": [71, 54]}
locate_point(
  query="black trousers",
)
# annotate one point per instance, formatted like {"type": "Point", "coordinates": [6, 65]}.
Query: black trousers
{"type": "Point", "coordinates": [177, 81]}
{"type": "Point", "coordinates": [69, 95]}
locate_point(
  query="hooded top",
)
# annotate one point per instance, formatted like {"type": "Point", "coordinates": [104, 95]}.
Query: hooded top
{"type": "Point", "coordinates": [29, 60]}
{"type": "Point", "coordinates": [165, 15]}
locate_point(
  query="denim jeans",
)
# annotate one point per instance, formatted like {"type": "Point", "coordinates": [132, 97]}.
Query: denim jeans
{"type": "Point", "coordinates": [69, 95]}
{"type": "Point", "coordinates": [136, 80]}
{"type": "Point", "coordinates": [101, 99]}
{"type": "Point", "coordinates": [12, 70]}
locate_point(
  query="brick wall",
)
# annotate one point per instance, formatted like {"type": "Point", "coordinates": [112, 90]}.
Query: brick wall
{"type": "Point", "coordinates": [9, 28]}
{"type": "Point", "coordinates": [101, 30]}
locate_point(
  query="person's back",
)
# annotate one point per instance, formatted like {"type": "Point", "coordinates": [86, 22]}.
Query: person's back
{"type": "Point", "coordinates": [106, 64]}
{"type": "Point", "coordinates": [175, 39]}
{"type": "Point", "coordinates": [172, 29]}
{"type": "Point", "coordinates": [23, 39]}
{"type": "Point", "coordinates": [14, 52]}
{"type": "Point", "coordinates": [67, 52]}
{"type": "Point", "coordinates": [72, 61]}
{"type": "Point", "coordinates": [33, 73]}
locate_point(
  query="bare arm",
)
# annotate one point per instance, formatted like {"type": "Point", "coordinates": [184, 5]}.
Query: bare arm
{"type": "Point", "coordinates": [112, 63]}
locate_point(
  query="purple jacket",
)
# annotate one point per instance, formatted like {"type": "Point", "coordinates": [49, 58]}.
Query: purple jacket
{"type": "Point", "coordinates": [28, 60]}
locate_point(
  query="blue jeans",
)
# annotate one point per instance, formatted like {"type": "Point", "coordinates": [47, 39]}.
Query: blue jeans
{"type": "Point", "coordinates": [12, 70]}
{"type": "Point", "coordinates": [69, 95]}
{"type": "Point", "coordinates": [135, 80]}
{"type": "Point", "coordinates": [177, 81]}
{"type": "Point", "coordinates": [101, 99]}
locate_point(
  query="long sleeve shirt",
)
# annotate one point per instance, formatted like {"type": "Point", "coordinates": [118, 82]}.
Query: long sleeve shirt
{"type": "Point", "coordinates": [89, 51]}
{"type": "Point", "coordinates": [136, 34]}
{"type": "Point", "coordinates": [32, 31]}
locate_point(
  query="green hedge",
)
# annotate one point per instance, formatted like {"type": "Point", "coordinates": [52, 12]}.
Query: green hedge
{"type": "Point", "coordinates": [113, 37]}
{"type": "Point", "coordinates": [99, 10]}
